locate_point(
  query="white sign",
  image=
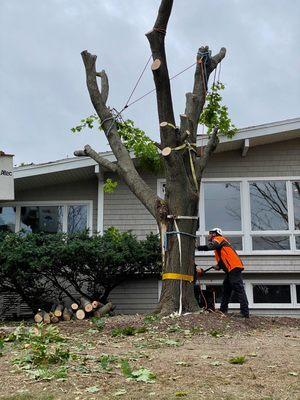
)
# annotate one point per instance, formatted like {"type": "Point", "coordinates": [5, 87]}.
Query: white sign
{"type": "Point", "coordinates": [6, 177]}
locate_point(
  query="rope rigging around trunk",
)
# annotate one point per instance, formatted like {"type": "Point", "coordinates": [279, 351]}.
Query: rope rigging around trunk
{"type": "Point", "coordinates": [176, 276]}
{"type": "Point", "coordinates": [191, 148]}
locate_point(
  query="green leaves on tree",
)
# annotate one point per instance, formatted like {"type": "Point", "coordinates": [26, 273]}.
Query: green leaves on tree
{"type": "Point", "coordinates": [215, 114]}
{"type": "Point", "coordinates": [109, 185]}
{"type": "Point", "coordinates": [144, 149]}
{"type": "Point", "coordinates": [87, 122]}
{"type": "Point", "coordinates": [133, 138]}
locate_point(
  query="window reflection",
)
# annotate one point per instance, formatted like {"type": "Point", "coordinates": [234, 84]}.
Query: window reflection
{"type": "Point", "coordinates": [296, 197]}
{"type": "Point", "coordinates": [222, 205]}
{"type": "Point", "coordinates": [270, 243]}
{"type": "Point", "coordinates": [271, 294]}
{"type": "Point", "coordinates": [7, 219]}
{"type": "Point", "coordinates": [77, 218]}
{"type": "Point", "coordinates": [47, 219]}
{"type": "Point", "coordinates": [268, 206]}
{"type": "Point", "coordinates": [235, 241]}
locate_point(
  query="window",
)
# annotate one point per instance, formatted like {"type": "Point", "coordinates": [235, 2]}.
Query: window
{"type": "Point", "coordinates": [47, 219]}
{"type": "Point", "coordinates": [222, 205]}
{"type": "Point", "coordinates": [7, 219]}
{"type": "Point", "coordinates": [270, 243]}
{"type": "Point", "coordinates": [296, 198]}
{"type": "Point", "coordinates": [257, 216]}
{"type": "Point", "coordinates": [77, 218]}
{"type": "Point", "coordinates": [298, 293]}
{"type": "Point", "coordinates": [268, 206]}
{"type": "Point", "coordinates": [271, 294]}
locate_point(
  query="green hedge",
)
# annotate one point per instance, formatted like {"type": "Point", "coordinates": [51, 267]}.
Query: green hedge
{"type": "Point", "coordinates": [43, 268]}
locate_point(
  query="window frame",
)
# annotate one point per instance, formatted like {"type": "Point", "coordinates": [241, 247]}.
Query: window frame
{"type": "Point", "coordinates": [249, 283]}
{"type": "Point", "coordinates": [246, 233]}
{"type": "Point", "coordinates": [59, 203]}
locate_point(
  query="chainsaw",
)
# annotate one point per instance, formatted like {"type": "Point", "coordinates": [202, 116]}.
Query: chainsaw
{"type": "Point", "coordinates": [201, 271]}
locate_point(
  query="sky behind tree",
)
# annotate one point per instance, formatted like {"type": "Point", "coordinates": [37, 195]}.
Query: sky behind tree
{"type": "Point", "coordinates": [42, 78]}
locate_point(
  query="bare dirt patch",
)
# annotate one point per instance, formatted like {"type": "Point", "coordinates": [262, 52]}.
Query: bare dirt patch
{"type": "Point", "coordinates": [189, 357]}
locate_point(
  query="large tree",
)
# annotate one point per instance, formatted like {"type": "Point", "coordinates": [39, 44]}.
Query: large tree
{"type": "Point", "coordinates": [184, 163]}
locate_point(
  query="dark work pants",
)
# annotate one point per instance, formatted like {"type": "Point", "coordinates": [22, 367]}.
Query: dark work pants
{"type": "Point", "coordinates": [233, 282]}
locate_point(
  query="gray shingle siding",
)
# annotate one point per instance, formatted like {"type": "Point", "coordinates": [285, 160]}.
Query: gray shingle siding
{"type": "Point", "coordinates": [275, 159]}
{"type": "Point", "coordinates": [271, 264]}
{"type": "Point", "coordinates": [124, 211]}
{"type": "Point", "coordinates": [139, 296]}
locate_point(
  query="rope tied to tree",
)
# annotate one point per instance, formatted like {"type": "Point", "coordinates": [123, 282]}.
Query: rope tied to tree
{"type": "Point", "coordinates": [179, 276]}
{"type": "Point", "coordinates": [191, 147]}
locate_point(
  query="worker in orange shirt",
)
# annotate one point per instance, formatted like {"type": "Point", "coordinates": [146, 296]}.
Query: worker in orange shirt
{"type": "Point", "coordinates": [229, 261]}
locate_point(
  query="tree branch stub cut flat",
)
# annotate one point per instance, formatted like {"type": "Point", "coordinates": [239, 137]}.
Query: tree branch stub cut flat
{"type": "Point", "coordinates": [156, 64]}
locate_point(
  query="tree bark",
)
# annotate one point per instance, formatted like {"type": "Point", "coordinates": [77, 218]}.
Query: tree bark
{"type": "Point", "coordinates": [182, 180]}
{"type": "Point", "coordinates": [183, 166]}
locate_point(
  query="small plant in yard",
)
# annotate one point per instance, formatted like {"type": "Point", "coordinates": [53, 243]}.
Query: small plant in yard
{"type": "Point", "coordinates": [41, 347]}
{"type": "Point", "coordinates": [106, 360]}
{"type": "Point", "coordinates": [127, 331]}
{"type": "Point", "coordinates": [237, 360]}
{"type": "Point", "coordinates": [170, 342]}
{"type": "Point", "coordinates": [216, 333]}
{"type": "Point", "coordinates": [140, 375]}
{"type": "Point", "coordinates": [151, 318]}
{"type": "Point", "coordinates": [99, 323]}
{"type": "Point", "coordinates": [18, 335]}
{"type": "Point", "coordinates": [174, 328]}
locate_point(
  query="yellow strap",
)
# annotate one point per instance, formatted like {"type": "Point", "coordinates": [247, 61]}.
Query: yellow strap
{"type": "Point", "coordinates": [171, 275]}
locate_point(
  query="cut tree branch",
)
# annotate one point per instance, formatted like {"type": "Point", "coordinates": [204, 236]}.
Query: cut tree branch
{"type": "Point", "coordinates": [89, 152]}
{"type": "Point", "coordinates": [216, 59]}
{"type": "Point", "coordinates": [125, 165]}
{"type": "Point", "coordinates": [195, 101]}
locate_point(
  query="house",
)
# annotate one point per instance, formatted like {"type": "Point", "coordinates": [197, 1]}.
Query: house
{"type": "Point", "coordinates": [251, 189]}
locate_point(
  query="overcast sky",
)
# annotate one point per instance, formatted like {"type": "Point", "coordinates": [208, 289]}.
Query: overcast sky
{"type": "Point", "coordinates": [42, 79]}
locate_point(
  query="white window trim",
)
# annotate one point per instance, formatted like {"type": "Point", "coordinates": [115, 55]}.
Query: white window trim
{"type": "Point", "coordinates": [59, 203]}
{"type": "Point", "coordinates": [249, 292]}
{"type": "Point", "coordinates": [246, 232]}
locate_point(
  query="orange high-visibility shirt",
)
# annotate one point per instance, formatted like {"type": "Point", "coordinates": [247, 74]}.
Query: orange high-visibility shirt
{"type": "Point", "coordinates": [226, 254]}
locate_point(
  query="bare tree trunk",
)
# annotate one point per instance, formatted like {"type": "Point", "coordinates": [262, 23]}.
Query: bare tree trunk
{"type": "Point", "coordinates": [183, 167]}
{"type": "Point", "coordinates": [183, 170]}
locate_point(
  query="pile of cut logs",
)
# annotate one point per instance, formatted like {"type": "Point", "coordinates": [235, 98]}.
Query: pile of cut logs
{"type": "Point", "coordinates": [81, 310]}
